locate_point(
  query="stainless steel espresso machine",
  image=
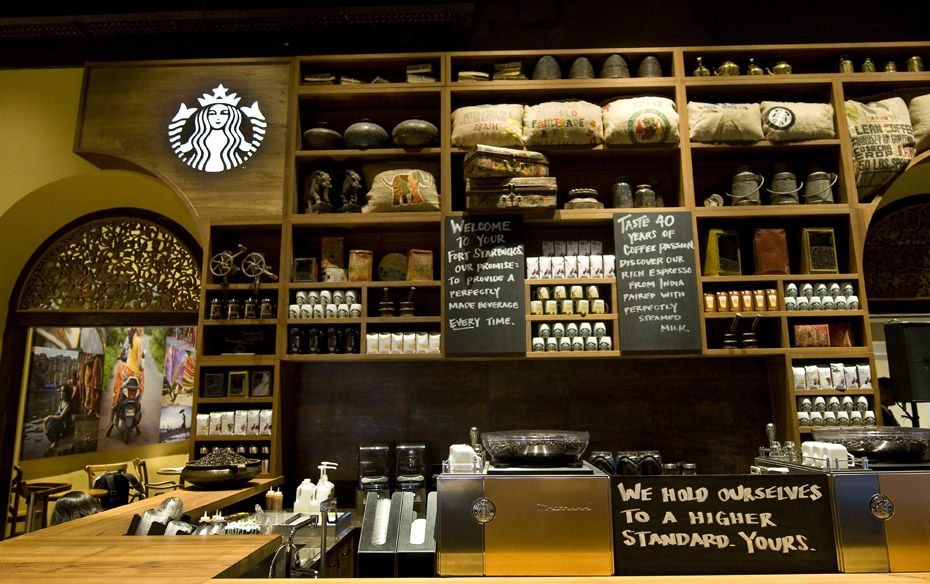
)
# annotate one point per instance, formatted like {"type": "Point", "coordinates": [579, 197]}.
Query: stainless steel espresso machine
{"type": "Point", "coordinates": [523, 504]}
{"type": "Point", "coordinates": [880, 489]}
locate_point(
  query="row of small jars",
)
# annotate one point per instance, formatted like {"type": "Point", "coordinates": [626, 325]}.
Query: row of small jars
{"type": "Point", "coordinates": [324, 297]}
{"type": "Point", "coordinates": [249, 308]}
{"type": "Point", "coordinates": [568, 267]}
{"type": "Point", "coordinates": [737, 300]}
{"type": "Point", "coordinates": [572, 344]}
{"type": "Point", "coordinates": [842, 418]}
{"type": "Point", "coordinates": [834, 404]}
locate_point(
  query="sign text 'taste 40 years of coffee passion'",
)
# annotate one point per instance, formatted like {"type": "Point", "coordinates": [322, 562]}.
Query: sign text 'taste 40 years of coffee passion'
{"type": "Point", "coordinates": [484, 261]}
{"type": "Point", "coordinates": [657, 301]}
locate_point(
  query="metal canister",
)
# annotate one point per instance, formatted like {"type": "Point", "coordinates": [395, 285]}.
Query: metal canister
{"type": "Point", "coordinates": [846, 65]}
{"type": "Point", "coordinates": [890, 67]}
{"type": "Point", "coordinates": [868, 66]}
{"type": "Point", "coordinates": [745, 187]}
{"type": "Point", "coordinates": [915, 64]}
{"type": "Point", "coordinates": [622, 194]}
{"type": "Point", "coordinates": [216, 309]}
{"type": "Point", "coordinates": [818, 187]}
{"type": "Point", "coordinates": [785, 187]}
{"type": "Point", "coordinates": [232, 309]}
{"type": "Point", "coordinates": [644, 196]}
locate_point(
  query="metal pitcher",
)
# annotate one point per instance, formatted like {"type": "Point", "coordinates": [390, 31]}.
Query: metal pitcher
{"type": "Point", "coordinates": [784, 189]}
{"type": "Point", "coordinates": [819, 187]}
{"type": "Point", "coordinates": [745, 188]}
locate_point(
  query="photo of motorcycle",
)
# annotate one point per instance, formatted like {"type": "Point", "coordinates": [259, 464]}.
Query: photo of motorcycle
{"type": "Point", "coordinates": [127, 413]}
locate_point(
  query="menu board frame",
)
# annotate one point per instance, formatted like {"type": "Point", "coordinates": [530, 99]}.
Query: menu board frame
{"type": "Point", "coordinates": [483, 295]}
{"type": "Point", "coordinates": [657, 282]}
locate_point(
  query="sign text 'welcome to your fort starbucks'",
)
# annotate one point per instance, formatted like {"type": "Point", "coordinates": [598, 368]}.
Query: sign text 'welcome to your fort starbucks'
{"type": "Point", "coordinates": [484, 272]}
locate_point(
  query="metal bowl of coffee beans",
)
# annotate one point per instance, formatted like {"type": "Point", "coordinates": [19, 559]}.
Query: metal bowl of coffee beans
{"type": "Point", "coordinates": [221, 468]}
{"type": "Point", "coordinates": [887, 444]}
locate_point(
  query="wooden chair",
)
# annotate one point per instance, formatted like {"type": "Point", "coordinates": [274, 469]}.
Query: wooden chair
{"type": "Point", "coordinates": [95, 470]}
{"type": "Point", "coordinates": [142, 472]}
{"type": "Point", "coordinates": [36, 495]}
{"type": "Point", "coordinates": [15, 515]}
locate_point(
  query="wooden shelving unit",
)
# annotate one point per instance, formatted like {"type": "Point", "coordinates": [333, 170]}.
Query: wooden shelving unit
{"type": "Point", "coordinates": [688, 173]}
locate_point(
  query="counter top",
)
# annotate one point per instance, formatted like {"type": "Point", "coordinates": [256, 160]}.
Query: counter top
{"type": "Point", "coordinates": [167, 560]}
{"type": "Point", "coordinates": [903, 578]}
{"type": "Point", "coordinates": [116, 521]}
{"type": "Point", "coordinates": [95, 547]}
{"type": "Point", "coordinates": [86, 550]}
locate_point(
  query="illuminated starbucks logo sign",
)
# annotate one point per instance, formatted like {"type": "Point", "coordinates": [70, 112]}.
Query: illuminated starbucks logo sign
{"type": "Point", "coordinates": [219, 135]}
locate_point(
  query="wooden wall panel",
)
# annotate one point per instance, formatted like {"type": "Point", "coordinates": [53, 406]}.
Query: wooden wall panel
{"type": "Point", "coordinates": [124, 120]}
{"type": "Point", "coordinates": [708, 411]}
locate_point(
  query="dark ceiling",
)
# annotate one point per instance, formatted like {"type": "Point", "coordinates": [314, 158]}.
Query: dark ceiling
{"type": "Point", "coordinates": [47, 34]}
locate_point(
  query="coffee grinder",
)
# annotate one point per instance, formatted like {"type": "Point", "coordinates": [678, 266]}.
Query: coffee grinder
{"type": "Point", "coordinates": [373, 472]}
{"type": "Point", "coordinates": [411, 471]}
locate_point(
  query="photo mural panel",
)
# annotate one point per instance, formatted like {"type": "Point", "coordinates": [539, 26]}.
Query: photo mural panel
{"type": "Point", "coordinates": [102, 388]}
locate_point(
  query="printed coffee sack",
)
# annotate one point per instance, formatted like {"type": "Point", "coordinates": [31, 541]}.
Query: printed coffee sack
{"type": "Point", "coordinates": [882, 141]}
{"type": "Point", "coordinates": [641, 120]}
{"type": "Point", "coordinates": [563, 123]}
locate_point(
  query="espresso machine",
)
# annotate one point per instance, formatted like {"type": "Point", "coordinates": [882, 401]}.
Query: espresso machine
{"type": "Point", "coordinates": [880, 488]}
{"type": "Point", "coordinates": [539, 513]}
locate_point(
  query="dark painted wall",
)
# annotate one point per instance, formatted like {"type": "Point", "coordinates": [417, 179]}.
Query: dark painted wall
{"type": "Point", "coordinates": [481, 25]}
{"type": "Point", "coordinates": [709, 411]}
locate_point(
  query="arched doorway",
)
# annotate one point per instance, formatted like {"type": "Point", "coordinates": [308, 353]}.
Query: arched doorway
{"type": "Point", "coordinates": [124, 268]}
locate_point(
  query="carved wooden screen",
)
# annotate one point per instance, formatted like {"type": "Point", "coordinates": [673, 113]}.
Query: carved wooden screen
{"type": "Point", "coordinates": [114, 264]}
{"type": "Point", "coordinates": [896, 259]}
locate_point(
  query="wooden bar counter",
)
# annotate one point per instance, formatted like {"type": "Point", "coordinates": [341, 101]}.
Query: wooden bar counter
{"type": "Point", "coordinates": [94, 548]}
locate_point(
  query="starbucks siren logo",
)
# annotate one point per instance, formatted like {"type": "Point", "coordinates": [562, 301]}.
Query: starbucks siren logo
{"type": "Point", "coordinates": [211, 138]}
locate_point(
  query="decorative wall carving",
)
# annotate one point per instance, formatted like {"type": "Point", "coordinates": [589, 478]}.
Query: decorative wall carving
{"type": "Point", "coordinates": [114, 264]}
{"type": "Point", "coordinates": [896, 259]}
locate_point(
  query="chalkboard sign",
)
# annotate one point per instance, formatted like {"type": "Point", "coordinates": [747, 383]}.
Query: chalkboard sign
{"type": "Point", "coordinates": [484, 288]}
{"type": "Point", "coordinates": [657, 295]}
{"type": "Point", "coordinates": [722, 524]}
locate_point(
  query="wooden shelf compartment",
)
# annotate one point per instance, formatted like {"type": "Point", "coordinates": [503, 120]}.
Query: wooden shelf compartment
{"type": "Point", "coordinates": [485, 61]}
{"type": "Point", "coordinates": [380, 239]}
{"type": "Point", "coordinates": [363, 357]}
{"type": "Point", "coordinates": [362, 220]}
{"type": "Point", "coordinates": [584, 167]}
{"type": "Point", "coordinates": [746, 225]}
{"type": "Point", "coordinates": [715, 166]}
{"type": "Point", "coordinates": [365, 67]}
{"type": "Point", "coordinates": [806, 60]}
